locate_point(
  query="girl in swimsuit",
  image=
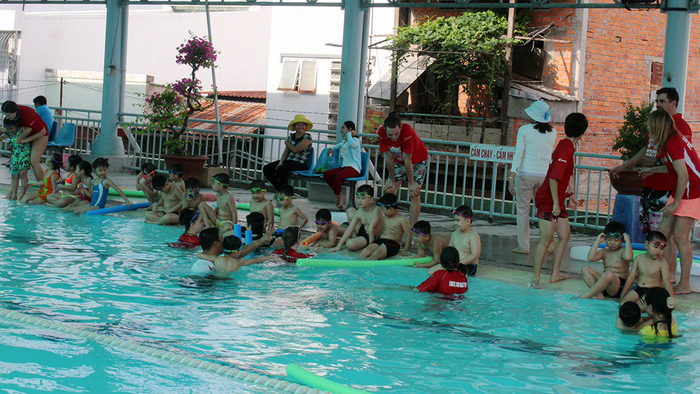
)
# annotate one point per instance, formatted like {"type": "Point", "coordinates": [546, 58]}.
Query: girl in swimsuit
{"type": "Point", "coordinates": [83, 191]}
{"type": "Point", "coordinates": [54, 163]}
{"type": "Point", "coordinates": [100, 187]}
{"type": "Point", "coordinates": [66, 187]}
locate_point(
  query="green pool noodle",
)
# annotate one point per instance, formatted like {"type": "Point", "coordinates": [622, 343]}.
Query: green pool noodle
{"type": "Point", "coordinates": [318, 382]}
{"type": "Point", "coordinates": [361, 263]}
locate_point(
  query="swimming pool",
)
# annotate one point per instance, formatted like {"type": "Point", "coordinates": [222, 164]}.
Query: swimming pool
{"type": "Point", "coordinates": [364, 328]}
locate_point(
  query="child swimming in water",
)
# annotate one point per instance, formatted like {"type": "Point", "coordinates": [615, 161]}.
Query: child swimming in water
{"type": "Point", "coordinates": [290, 238]}
{"type": "Point", "coordinates": [448, 280]}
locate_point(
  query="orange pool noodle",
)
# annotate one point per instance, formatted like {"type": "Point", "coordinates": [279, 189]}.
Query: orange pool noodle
{"type": "Point", "coordinates": [311, 239]}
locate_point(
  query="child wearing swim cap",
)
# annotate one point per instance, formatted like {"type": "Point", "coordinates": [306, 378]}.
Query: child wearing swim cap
{"type": "Point", "coordinates": [449, 280]}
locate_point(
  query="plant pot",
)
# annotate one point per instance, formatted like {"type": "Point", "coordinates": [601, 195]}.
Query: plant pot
{"type": "Point", "coordinates": [192, 166]}
{"type": "Point", "coordinates": [628, 182]}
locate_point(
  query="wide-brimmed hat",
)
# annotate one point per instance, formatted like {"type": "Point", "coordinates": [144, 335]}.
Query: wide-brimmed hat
{"type": "Point", "coordinates": [299, 118]}
{"type": "Point", "coordinates": [539, 112]}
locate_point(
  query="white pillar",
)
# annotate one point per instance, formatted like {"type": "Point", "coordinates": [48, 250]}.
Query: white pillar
{"type": "Point", "coordinates": [350, 69]}
{"type": "Point", "coordinates": [676, 47]}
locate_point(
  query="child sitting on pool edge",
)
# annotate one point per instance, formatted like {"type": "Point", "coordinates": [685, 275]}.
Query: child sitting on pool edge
{"type": "Point", "coordinates": [330, 232]}
{"type": "Point", "coordinates": [616, 262]}
{"type": "Point", "coordinates": [428, 242]}
{"type": "Point", "coordinates": [448, 280]}
{"type": "Point", "coordinates": [192, 196]}
{"type": "Point", "coordinates": [394, 228]}
{"type": "Point", "coordinates": [225, 216]}
{"type": "Point", "coordinates": [165, 212]}
{"type": "Point", "coordinates": [466, 240]}
{"type": "Point", "coordinates": [365, 221]}
{"type": "Point", "coordinates": [649, 269]}
{"type": "Point", "coordinates": [258, 202]}
{"type": "Point", "coordinates": [100, 187]}
{"type": "Point", "coordinates": [143, 182]}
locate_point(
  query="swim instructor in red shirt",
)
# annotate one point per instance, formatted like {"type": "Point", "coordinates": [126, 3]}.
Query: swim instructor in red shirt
{"type": "Point", "coordinates": [39, 136]}
{"type": "Point", "coordinates": [406, 158]}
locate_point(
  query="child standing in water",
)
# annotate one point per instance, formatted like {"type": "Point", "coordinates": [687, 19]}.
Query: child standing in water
{"type": "Point", "coordinates": [466, 240]}
{"type": "Point", "coordinates": [448, 280]}
{"type": "Point", "coordinates": [616, 263]}
{"type": "Point", "coordinates": [658, 304]}
{"type": "Point", "coordinates": [54, 163]}
{"type": "Point", "coordinates": [20, 161]}
{"type": "Point", "coordinates": [550, 197]}
{"type": "Point", "coordinates": [100, 187]}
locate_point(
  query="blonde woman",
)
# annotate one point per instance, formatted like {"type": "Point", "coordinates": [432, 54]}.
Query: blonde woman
{"type": "Point", "coordinates": [684, 206]}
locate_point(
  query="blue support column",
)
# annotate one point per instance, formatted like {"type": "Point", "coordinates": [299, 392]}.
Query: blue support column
{"type": "Point", "coordinates": [364, 50]}
{"type": "Point", "coordinates": [676, 47]}
{"type": "Point", "coordinates": [350, 68]}
{"type": "Point", "coordinates": [107, 143]}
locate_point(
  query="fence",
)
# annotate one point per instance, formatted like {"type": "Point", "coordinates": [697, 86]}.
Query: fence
{"type": "Point", "coordinates": [453, 177]}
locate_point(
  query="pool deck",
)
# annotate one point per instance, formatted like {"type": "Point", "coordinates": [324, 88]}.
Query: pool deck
{"type": "Point", "coordinates": [497, 240]}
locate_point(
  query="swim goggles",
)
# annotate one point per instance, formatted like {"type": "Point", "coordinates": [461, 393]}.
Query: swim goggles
{"type": "Point", "coordinates": [416, 231]}
{"type": "Point", "coordinates": [282, 198]}
{"type": "Point", "coordinates": [658, 244]}
{"type": "Point", "coordinates": [394, 204]}
{"type": "Point", "coordinates": [194, 217]}
{"type": "Point", "coordinates": [192, 195]}
{"type": "Point", "coordinates": [171, 171]}
{"type": "Point", "coordinates": [232, 250]}
{"type": "Point", "coordinates": [321, 222]}
{"type": "Point", "coordinates": [219, 182]}
{"type": "Point", "coordinates": [461, 214]}
{"type": "Point", "coordinates": [257, 190]}
{"type": "Point", "coordinates": [613, 235]}
{"type": "Point", "coordinates": [149, 174]}
{"type": "Point", "coordinates": [361, 195]}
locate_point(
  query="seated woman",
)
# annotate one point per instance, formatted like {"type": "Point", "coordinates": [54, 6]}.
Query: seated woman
{"type": "Point", "coordinates": [350, 163]}
{"type": "Point", "coordinates": [297, 150]}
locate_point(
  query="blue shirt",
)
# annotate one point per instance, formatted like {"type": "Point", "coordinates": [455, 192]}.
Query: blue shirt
{"type": "Point", "coordinates": [45, 114]}
{"type": "Point", "coordinates": [350, 153]}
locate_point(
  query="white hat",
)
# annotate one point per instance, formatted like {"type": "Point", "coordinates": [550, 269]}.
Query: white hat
{"type": "Point", "coordinates": [539, 112]}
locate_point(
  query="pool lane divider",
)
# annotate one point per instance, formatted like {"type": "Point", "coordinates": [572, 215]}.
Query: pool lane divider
{"type": "Point", "coordinates": [361, 263]}
{"type": "Point", "coordinates": [229, 372]}
{"type": "Point", "coordinates": [313, 380]}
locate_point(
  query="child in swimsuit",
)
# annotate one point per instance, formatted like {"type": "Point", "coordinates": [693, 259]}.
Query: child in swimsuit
{"type": "Point", "coordinates": [330, 231]}
{"type": "Point", "coordinates": [365, 221]}
{"type": "Point", "coordinates": [429, 242]}
{"type": "Point", "coordinates": [616, 263]}
{"type": "Point", "coordinates": [100, 187]}
{"type": "Point", "coordinates": [66, 187]}
{"type": "Point", "coordinates": [143, 182]}
{"type": "Point", "coordinates": [395, 228]}
{"type": "Point", "coordinates": [20, 162]}
{"type": "Point", "coordinates": [83, 191]}
{"type": "Point", "coordinates": [649, 269]}
{"type": "Point", "coordinates": [48, 185]}
{"type": "Point", "coordinates": [659, 305]}
{"type": "Point", "coordinates": [449, 280]}
{"type": "Point", "coordinates": [290, 238]}
{"type": "Point", "coordinates": [194, 224]}
{"type": "Point", "coordinates": [466, 240]}
{"type": "Point", "coordinates": [212, 264]}
{"type": "Point", "coordinates": [225, 215]}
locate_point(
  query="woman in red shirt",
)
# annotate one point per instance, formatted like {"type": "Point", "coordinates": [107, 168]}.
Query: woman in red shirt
{"type": "Point", "coordinates": [684, 206]}
{"type": "Point", "coordinates": [38, 137]}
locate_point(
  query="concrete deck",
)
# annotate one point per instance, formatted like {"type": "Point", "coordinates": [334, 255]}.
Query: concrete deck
{"type": "Point", "coordinates": [498, 239]}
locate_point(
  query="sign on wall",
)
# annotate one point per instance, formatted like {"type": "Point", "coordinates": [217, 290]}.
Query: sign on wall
{"type": "Point", "coordinates": [492, 153]}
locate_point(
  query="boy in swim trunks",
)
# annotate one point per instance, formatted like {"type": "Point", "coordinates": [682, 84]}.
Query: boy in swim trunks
{"type": "Point", "coordinates": [144, 182]}
{"type": "Point", "coordinates": [616, 263]}
{"type": "Point", "coordinates": [192, 197]}
{"type": "Point", "coordinates": [175, 175]}
{"type": "Point", "coordinates": [289, 214]}
{"type": "Point", "coordinates": [166, 210]}
{"type": "Point", "coordinates": [395, 227]}
{"type": "Point", "coordinates": [650, 269]}
{"type": "Point", "coordinates": [258, 202]}
{"type": "Point", "coordinates": [365, 221]}
{"type": "Point", "coordinates": [429, 242]}
{"type": "Point", "coordinates": [466, 240]}
{"type": "Point", "coordinates": [329, 230]}
{"type": "Point", "coordinates": [225, 215]}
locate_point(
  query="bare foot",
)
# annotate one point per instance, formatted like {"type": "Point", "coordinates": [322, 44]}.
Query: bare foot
{"type": "Point", "coordinates": [672, 278]}
{"type": "Point", "coordinates": [682, 290]}
{"type": "Point", "coordinates": [550, 249]}
{"type": "Point", "coordinates": [558, 278]}
{"type": "Point", "coordinates": [535, 284]}
{"type": "Point", "coordinates": [520, 251]}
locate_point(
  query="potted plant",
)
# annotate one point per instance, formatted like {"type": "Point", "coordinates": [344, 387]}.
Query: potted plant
{"type": "Point", "coordinates": [168, 111]}
{"type": "Point", "coordinates": [632, 136]}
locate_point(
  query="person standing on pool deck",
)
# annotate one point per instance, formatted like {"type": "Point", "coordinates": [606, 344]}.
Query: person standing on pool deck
{"type": "Point", "coordinates": [550, 197]}
{"type": "Point", "coordinates": [38, 137]}
{"type": "Point", "coordinates": [406, 159]}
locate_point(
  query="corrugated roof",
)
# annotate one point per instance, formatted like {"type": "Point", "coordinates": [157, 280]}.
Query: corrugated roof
{"type": "Point", "coordinates": [231, 94]}
{"type": "Point", "coordinates": [231, 111]}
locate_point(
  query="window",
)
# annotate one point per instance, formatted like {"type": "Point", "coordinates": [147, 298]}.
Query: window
{"type": "Point", "coordinates": [298, 75]}
{"type": "Point", "coordinates": [657, 73]}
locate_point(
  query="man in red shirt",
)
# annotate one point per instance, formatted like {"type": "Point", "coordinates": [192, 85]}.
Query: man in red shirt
{"type": "Point", "coordinates": [38, 137]}
{"type": "Point", "coordinates": [658, 185]}
{"type": "Point", "coordinates": [549, 199]}
{"type": "Point", "coordinates": [406, 158]}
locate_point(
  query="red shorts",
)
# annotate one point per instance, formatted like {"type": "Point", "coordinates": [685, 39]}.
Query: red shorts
{"type": "Point", "coordinates": [549, 216]}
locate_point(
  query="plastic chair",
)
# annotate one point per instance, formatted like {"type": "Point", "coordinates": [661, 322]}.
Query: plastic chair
{"type": "Point", "coordinates": [52, 132]}
{"type": "Point", "coordinates": [65, 137]}
{"type": "Point", "coordinates": [309, 171]}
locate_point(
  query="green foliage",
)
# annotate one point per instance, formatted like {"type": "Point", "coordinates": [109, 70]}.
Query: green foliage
{"type": "Point", "coordinates": [470, 46]}
{"type": "Point", "coordinates": [632, 135]}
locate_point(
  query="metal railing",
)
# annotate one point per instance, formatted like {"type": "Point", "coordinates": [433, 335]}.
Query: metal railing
{"type": "Point", "coordinates": [453, 179]}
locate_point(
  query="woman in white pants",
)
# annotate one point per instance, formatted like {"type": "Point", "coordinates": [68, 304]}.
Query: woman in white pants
{"type": "Point", "coordinates": [533, 151]}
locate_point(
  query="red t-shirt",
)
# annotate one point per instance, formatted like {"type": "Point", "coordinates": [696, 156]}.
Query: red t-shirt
{"type": "Point", "coordinates": [408, 142]}
{"type": "Point", "coordinates": [29, 118]}
{"type": "Point", "coordinates": [190, 239]}
{"type": "Point", "coordinates": [679, 148]}
{"type": "Point", "coordinates": [445, 282]}
{"type": "Point", "coordinates": [291, 256]}
{"type": "Point", "coordinates": [561, 168]}
{"type": "Point", "coordinates": [665, 181]}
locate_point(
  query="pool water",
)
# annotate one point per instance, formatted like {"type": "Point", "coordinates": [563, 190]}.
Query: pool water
{"type": "Point", "coordinates": [361, 327]}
